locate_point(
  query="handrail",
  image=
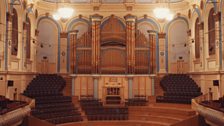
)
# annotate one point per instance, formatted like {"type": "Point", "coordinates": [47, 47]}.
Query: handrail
{"type": "Point", "coordinates": [29, 100]}
{"type": "Point", "coordinates": [195, 102]}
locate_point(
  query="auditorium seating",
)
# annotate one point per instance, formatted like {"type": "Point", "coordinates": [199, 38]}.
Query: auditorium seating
{"type": "Point", "coordinates": [214, 104]}
{"type": "Point", "coordinates": [95, 110]}
{"type": "Point", "coordinates": [178, 88]}
{"type": "Point", "coordinates": [51, 105]}
{"type": "Point", "coordinates": [138, 100]}
{"type": "Point", "coordinates": [7, 105]}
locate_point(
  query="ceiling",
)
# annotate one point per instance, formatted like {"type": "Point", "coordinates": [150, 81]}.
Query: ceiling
{"type": "Point", "coordinates": [113, 1]}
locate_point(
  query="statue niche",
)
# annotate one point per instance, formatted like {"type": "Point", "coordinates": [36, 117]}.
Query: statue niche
{"type": "Point", "coordinates": [113, 47]}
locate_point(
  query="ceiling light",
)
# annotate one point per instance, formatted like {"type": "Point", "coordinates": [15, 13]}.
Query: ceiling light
{"type": "Point", "coordinates": [56, 16]}
{"type": "Point", "coordinates": [65, 12]}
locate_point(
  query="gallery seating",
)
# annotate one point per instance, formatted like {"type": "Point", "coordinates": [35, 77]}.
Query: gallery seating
{"type": "Point", "coordinates": [214, 104]}
{"type": "Point", "coordinates": [7, 105]}
{"type": "Point", "coordinates": [94, 110]}
{"type": "Point", "coordinates": [51, 105]}
{"type": "Point", "coordinates": [178, 88]}
{"type": "Point", "coordinates": [138, 100]}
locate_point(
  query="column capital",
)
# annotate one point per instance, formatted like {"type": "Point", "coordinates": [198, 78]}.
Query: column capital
{"type": "Point", "coordinates": [130, 17]}
{"type": "Point", "coordinates": [96, 17]}
{"type": "Point", "coordinates": [201, 26]}
{"type": "Point", "coordinates": [217, 16]}
{"type": "Point", "coordinates": [63, 34]}
{"type": "Point", "coordinates": [9, 16]}
{"type": "Point", "coordinates": [189, 32]}
{"type": "Point", "coordinates": [74, 32]}
{"type": "Point", "coordinates": [162, 35]}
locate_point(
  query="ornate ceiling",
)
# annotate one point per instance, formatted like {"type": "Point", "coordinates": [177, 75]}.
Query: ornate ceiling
{"type": "Point", "coordinates": [114, 1]}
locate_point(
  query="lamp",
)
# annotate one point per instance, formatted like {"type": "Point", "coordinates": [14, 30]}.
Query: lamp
{"type": "Point", "coordinates": [63, 13]}
{"type": "Point", "coordinates": [163, 12]}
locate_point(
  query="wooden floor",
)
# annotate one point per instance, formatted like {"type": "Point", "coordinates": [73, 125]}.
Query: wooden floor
{"type": "Point", "coordinates": [155, 114]}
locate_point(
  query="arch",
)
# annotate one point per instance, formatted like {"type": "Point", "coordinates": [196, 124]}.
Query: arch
{"type": "Point", "coordinates": [105, 20]}
{"type": "Point", "coordinates": [167, 37]}
{"type": "Point", "coordinates": [155, 29]}
{"type": "Point", "coordinates": [198, 12]}
{"type": "Point", "coordinates": [151, 21]}
{"type": "Point", "coordinates": [59, 31]}
{"type": "Point", "coordinates": [74, 21]}
{"type": "Point", "coordinates": [211, 32]}
{"type": "Point", "coordinates": [14, 41]}
{"type": "Point", "coordinates": [214, 3]}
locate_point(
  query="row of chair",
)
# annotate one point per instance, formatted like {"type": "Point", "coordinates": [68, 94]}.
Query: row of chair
{"type": "Point", "coordinates": [51, 105]}
{"type": "Point", "coordinates": [178, 88]}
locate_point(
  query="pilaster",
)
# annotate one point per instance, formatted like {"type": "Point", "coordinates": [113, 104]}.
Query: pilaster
{"type": "Point", "coordinates": [96, 21]}
{"type": "Point", "coordinates": [162, 58]}
{"type": "Point", "coordinates": [130, 40]}
{"type": "Point", "coordinates": [72, 51]}
{"type": "Point", "coordinates": [63, 52]}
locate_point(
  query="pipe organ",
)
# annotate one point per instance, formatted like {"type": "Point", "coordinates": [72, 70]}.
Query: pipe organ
{"type": "Point", "coordinates": [113, 46]}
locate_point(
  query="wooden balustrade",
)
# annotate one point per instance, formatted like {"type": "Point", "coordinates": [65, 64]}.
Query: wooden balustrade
{"type": "Point", "coordinates": [30, 101]}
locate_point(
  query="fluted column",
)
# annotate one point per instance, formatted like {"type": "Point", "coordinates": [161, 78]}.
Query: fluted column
{"type": "Point", "coordinates": [162, 58]}
{"type": "Point", "coordinates": [72, 51]}
{"type": "Point", "coordinates": [217, 40]}
{"type": "Point", "coordinates": [130, 42]}
{"type": "Point", "coordinates": [202, 52]}
{"type": "Point", "coordinates": [96, 21]}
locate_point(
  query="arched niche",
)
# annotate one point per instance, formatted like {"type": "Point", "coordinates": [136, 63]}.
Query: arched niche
{"type": "Point", "coordinates": [81, 47]}
{"type": "Point", "coordinates": [47, 49]}
{"type": "Point", "coordinates": [145, 47]}
{"type": "Point", "coordinates": [113, 46]}
{"type": "Point", "coordinates": [178, 50]}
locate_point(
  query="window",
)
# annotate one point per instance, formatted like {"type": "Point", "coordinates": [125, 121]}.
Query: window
{"type": "Point", "coordinates": [197, 39]}
{"type": "Point", "coordinates": [28, 37]}
{"type": "Point", "coordinates": [211, 32]}
{"type": "Point", "coordinates": [14, 41]}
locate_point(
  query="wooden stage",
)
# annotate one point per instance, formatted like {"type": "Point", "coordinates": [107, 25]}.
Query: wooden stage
{"type": "Point", "coordinates": [155, 114]}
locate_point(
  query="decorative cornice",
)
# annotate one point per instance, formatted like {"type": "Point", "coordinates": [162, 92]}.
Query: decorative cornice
{"type": "Point", "coordinates": [162, 35]}
{"type": "Point", "coordinates": [201, 26]}
{"type": "Point", "coordinates": [130, 17]}
{"type": "Point", "coordinates": [218, 16]}
{"type": "Point", "coordinates": [96, 17]}
{"type": "Point", "coordinates": [63, 35]}
{"type": "Point", "coordinates": [189, 32]}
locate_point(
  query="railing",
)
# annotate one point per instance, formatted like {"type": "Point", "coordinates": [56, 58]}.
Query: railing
{"type": "Point", "coordinates": [211, 116]}
{"type": "Point", "coordinates": [30, 101]}
{"type": "Point", "coordinates": [195, 102]}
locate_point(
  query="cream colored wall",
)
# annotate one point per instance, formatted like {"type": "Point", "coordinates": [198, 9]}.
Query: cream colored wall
{"type": "Point", "coordinates": [84, 85]}
{"type": "Point", "coordinates": [20, 70]}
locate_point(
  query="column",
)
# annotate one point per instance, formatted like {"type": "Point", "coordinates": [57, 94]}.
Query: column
{"type": "Point", "coordinates": [73, 86]}
{"type": "Point", "coordinates": [72, 51]}
{"type": "Point", "coordinates": [24, 37]}
{"type": "Point", "coordinates": [8, 39]}
{"type": "Point", "coordinates": [62, 57]}
{"type": "Point", "coordinates": [202, 50]}
{"type": "Point", "coordinates": [163, 64]}
{"type": "Point", "coordinates": [130, 42]}
{"type": "Point", "coordinates": [95, 86]}
{"type": "Point", "coordinates": [153, 85]}
{"type": "Point", "coordinates": [191, 57]}
{"type": "Point", "coordinates": [218, 43]}
{"type": "Point", "coordinates": [130, 87]}
{"type": "Point", "coordinates": [96, 21]}
{"type": "Point", "coordinates": [152, 48]}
